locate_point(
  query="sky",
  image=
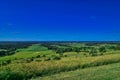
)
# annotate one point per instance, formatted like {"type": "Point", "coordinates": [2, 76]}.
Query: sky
{"type": "Point", "coordinates": [59, 20]}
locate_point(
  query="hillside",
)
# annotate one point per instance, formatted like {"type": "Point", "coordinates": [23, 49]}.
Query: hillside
{"type": "Point", "coordinates": [53, 60]}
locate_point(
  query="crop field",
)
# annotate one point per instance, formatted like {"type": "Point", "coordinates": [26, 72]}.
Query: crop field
{"type": "Point", "coordinates": [60, 61]}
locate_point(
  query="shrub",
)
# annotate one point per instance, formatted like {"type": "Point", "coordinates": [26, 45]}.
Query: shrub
{"type": "Point", "coordinates": [4, 63]}
{"type": "Point", "coordinates": [15, 59]}
{"type": "Point", "coordinates": [47, 59]}
{"type": "Point", "coordinates": [65, 55]}
{"type": "Point", "coordinates": [8, 74]}
{"type": "Point", "coordinates": [29, 60]}
{"type": "Point", "coordinates": [38, 56]}
{"type": "Point", "coordinates": [56, 57]}
{"type": "Point", "coordinates": [93, 52]}
{"type": "Point", "coordinates": [8, 61]}
{"type": "Point", "coordinates": [101, 54]}
{"type": "Point", "coordinates": [102, 49]}
{"type": "Point", "coordinates": [43, 55]}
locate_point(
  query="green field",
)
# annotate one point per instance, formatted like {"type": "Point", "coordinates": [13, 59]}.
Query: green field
{"type": "Point", "coordinates": [106, 72]}
{"type": "Point", "coordinates": [62, 61]}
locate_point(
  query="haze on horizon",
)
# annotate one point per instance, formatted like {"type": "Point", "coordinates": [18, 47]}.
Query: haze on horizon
{"type": "Point", "coordinates": [59, 20]}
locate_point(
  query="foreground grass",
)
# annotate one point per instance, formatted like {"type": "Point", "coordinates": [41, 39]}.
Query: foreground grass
{"type": "Point", "coordinates": [34, 69]}
{"type": "Point", "coordinates": [106, 72]}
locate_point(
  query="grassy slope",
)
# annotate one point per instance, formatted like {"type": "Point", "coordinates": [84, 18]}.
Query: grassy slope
{"type": "Point", "coordinates": [26, 54]}
{"type": "Point", "coordinates": [66, 64]}
{"type": "Point", "coordinates": [35, 47]}
{"type": "Point", "coordinates": [71, 62]}
{"type": "Point", "coordinates": [29, 52]}
{"type": "Point", "coordinates": [106, 72]}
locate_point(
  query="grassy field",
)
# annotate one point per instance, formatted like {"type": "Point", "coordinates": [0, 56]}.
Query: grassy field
{"type": "Point", "coordinates": [40, 61]}
{"type": "Point", "coordinates": [29, 70]}
{"type": "Point", "coordinates": [106, 72]}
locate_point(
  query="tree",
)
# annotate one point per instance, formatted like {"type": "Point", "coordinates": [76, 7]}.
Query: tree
{"type": "Point", "coordinates": [68, 49]}
{"type": "Point", "coordinates": [60, 51]}
{"type": "Point", "coordinates": [77, 50]}
{"type": "Point", "coordinates": [93, 52]}
{"type": "Point", "coordinates": [102, 50]}
{"type": "Point", "coordinates": [3, 52]}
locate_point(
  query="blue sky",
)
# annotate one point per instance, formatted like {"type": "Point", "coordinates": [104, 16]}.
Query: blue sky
{"type": "Point", "coordinates": [60, 20]}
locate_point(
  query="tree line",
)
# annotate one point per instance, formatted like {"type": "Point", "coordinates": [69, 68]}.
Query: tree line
{"type": "Point", "coordinates": [9, 48]}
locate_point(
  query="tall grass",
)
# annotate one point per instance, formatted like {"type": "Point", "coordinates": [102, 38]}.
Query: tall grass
{"type": "Point", "coordinates": [106, 72]}
{"type": "Point", "coordinates": [34, 69]}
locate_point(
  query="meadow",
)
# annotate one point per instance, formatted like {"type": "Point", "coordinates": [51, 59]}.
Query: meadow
{"type": "Point", "coordinates": [105, 72]}
{"type": "Point", "coordinates": [62, 61]}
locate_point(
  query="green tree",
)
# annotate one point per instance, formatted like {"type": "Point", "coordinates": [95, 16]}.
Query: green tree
{"type": "Point", "coordinates": [102, 50]}
{"type": "Point", "coordinates": [93, 52]}
{"type": "Point", "coordinates": [77, 50]}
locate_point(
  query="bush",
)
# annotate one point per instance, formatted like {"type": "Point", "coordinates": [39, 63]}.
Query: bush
{"type": "Point", "coordinates": [102, 49]}
{"type": "Point", "coordinates": [38, 56]}
{"type": "Point", "coordinates": [8, 61]}
{"type": "Point", "coordinates": [29, 60]}
{"type": "Point", "coordinates": [47, 59]}
{"type": "Point", "coordinates": [7, 74]}
{"type": "Point", "coordinates": [43, 55]}
{"type": "Point", "coordinates": [93, 52]}
{"type": "Point", "coordinates": [56, 57]}
{"type": "Point", "coordinates": [101, 54]}
{"type": "Point", "coordinates": [15, 59]}
{"type": "Point", "coordinates": [65, 55]}
{"type": "Point", "coordinates": [4, 63]}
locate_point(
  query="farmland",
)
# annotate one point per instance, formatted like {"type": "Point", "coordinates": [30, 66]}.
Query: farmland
{"type": "Point", "coordinates": [59, 60]}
